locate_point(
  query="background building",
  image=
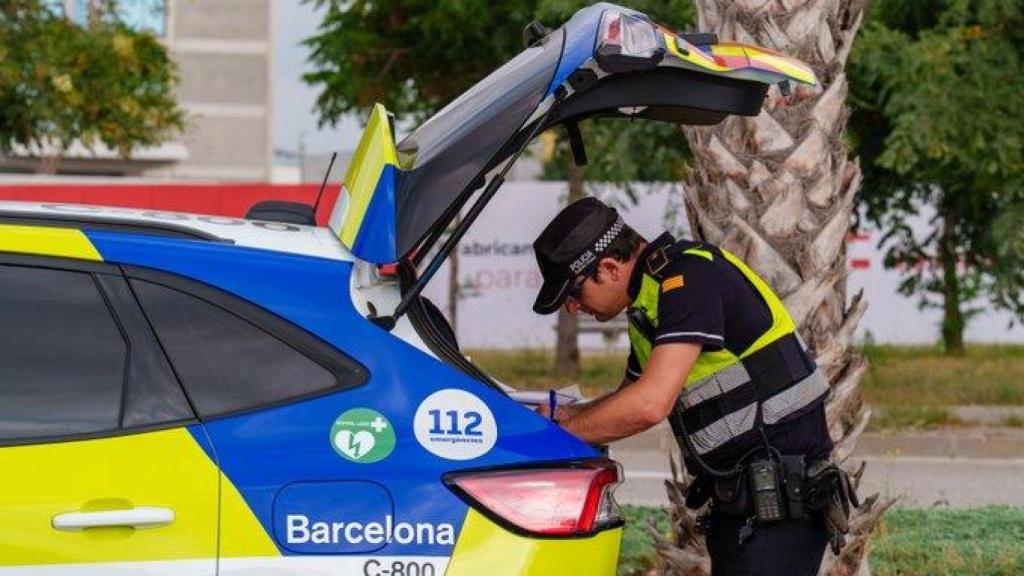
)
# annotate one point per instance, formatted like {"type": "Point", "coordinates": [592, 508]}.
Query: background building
{"type": "Point", "coordinates": [224, 51]}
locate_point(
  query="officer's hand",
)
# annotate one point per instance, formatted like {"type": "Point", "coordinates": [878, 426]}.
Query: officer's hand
{"type": "Point", "coordinates": [562, 413]}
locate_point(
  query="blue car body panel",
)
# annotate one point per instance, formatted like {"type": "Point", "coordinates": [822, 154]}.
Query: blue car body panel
{"type": "Point", "coordinates": [377, 239]}
{"type": "Point", "coordinates": [580, 42]}
{"type": "Point", "coordinates": [264, 451]}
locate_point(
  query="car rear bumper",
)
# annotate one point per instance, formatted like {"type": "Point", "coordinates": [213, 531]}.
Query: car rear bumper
{"type": "Point", "coordinates": [484, 547]}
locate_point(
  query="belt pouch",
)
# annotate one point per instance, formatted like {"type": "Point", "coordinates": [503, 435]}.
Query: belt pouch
{"type": "Point", "coordinates": [732, 496]}
{"type": "Point", "coordinates": [793, 477]}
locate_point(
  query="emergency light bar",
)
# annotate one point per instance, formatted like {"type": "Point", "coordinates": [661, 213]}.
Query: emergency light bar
{"type": "Point", "coordinates": [552, 502]}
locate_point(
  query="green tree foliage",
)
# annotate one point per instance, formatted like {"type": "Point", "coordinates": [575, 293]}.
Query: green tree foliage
{"type": "Point", "coordinates": [623, 152]}
{"type": "Point", "coordinates": [1008, 264]}
{"type": "Point", "coordinates": [936, 88]}
{"type": "Point", "coordinates": [101, 83]}
{"type": "Point", "coordinates": [415, 57]}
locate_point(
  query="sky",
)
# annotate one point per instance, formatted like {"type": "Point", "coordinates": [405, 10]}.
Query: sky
{"type": "Point", "coordinates": [294, 117]}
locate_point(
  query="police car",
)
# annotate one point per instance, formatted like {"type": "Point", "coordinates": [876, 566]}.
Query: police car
{"type": "Point", "coordinates": [197, 395]}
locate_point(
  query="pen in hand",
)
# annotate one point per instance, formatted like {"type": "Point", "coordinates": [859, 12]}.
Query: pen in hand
{"type": "Point", "coordinates": [552, 403]}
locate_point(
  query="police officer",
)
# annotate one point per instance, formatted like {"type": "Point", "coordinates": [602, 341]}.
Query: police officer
{"type": "Point", "coordinates": [714, 351]}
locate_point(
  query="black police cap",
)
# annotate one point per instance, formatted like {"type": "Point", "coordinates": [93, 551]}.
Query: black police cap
{"type": "Point", "coordinates": [573, 241]}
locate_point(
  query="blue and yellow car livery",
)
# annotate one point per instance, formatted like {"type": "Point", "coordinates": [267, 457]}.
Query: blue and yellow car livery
{"type": "Point", "coordinates": [269, 490]}
{"type": "Point", "coordinates": [234, 405]}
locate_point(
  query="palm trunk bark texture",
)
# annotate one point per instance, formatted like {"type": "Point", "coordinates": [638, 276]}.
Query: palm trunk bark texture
{"type": "Point", "coordinates": [778, 191]}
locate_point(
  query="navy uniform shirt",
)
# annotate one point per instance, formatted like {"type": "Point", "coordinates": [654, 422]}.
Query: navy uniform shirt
{"type": "Point", "coordinates": [711, 303]}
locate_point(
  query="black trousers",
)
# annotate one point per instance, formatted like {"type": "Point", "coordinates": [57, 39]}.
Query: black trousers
{"type": "Point", "coordinates": [787, 548]}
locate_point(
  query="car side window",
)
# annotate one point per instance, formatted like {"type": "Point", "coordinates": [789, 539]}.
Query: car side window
{"type": "Point", "coordinates": [63, 359]}
{"type": "Point", "coordinates": [153, 395]}
{"type": "Point", "coordinates": [228, 364]}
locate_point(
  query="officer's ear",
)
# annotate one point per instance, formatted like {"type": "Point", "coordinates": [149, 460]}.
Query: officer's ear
{"type": "Point", "coordinates": [611, 269]}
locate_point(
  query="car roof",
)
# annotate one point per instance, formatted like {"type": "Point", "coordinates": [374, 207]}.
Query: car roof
{"type": "Point", "coordinates": [277, 236]}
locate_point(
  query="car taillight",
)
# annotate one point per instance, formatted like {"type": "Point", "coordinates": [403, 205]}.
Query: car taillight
{"type": "Point", "coordinates": [572, 501]}
{"type": "Point", "coordinates": [628, 41]}
{"type": "Point", "coordinates": [388, 270]}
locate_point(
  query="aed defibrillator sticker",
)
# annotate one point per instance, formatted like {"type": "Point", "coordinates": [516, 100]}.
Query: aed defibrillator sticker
{"type": "Point", "coordinates": [363, 435]}
{"type": "Point", "coordinates": [455, 425]}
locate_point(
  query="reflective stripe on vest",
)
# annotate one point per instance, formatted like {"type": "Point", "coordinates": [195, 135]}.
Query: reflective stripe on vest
{"type": "Point", "coordinates": [720, 394]}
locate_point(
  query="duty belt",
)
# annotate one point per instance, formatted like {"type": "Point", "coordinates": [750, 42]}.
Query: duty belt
{"type": "Point", "coordinates": [819, 489]}
{"type": "Point", "coordinates": [781, 378]}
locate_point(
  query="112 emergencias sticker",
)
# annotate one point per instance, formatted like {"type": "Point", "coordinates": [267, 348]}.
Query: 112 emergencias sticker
{"type": "Point", "coordinates": [455, 424]}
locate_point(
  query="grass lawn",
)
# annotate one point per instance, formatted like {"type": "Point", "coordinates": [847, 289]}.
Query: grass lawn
{"type": "Point", "coordinates": [530, 369]}
{"type": "Point", "coordinates": [912, 386]}
{"type": "Point", "coordinates": [939, 542]}
{"type": "Point", "coordinates": [909, 386]}
{"type": "Point", "coordinates": [637, 555]}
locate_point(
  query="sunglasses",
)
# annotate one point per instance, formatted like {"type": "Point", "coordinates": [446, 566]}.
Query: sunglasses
{"type": "Point", "coordinates": [575, 290]}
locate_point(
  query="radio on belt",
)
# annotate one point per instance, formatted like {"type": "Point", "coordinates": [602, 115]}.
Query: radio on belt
{"type": "Point", "coordinates": [764, 480]}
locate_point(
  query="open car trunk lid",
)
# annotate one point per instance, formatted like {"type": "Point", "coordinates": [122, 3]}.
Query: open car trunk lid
{"type": "Point", "coordinates": [400, 197]}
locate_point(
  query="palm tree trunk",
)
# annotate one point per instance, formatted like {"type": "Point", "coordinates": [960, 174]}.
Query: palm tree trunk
{"type": "Point", "coordinates": [778, 191]}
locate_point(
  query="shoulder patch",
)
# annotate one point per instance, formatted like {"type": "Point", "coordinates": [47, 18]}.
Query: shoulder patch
{"type": "Point", "coordinates": [672, 283]}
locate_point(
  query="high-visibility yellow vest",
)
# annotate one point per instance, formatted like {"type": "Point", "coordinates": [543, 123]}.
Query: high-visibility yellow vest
{"type": "Point", "coordinates": [728, 395]}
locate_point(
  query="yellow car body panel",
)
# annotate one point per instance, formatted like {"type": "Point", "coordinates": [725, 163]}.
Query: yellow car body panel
{"type": "Point", "coordinates": [47, 241]}
{"type": "Point", "coordinates": [375, 151]}
{"type": "Point", "coordinates": [165, 469]}
{"type": "Point", "coordinates": [484, 547]}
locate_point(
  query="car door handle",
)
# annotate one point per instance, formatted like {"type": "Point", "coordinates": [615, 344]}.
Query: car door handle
{"type": "Point", "coordinates": [138, 517]}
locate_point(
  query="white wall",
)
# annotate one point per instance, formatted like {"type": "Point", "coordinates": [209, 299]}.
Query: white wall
{"type": "Point", "coordinates": [499, 272]}
{"type": "Point", "coordinates": [894, 318]}
{"type": "Point", "coordinates": [500, 275]}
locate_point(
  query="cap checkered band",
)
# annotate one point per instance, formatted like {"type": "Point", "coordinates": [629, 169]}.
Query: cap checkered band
{"type": "Point", "coordinates": [606, 239]}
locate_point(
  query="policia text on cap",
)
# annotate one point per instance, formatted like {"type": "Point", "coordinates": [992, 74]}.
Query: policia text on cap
{"type": "Point", "coordinates": [714, 351]}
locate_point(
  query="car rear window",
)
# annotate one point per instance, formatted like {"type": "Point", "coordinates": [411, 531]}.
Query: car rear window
{"type": "Point", "coordinates": [229, 364]}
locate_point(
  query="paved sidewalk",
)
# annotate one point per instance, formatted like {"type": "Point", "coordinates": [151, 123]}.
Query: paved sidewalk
{"type": "Point", "coordinates": [988, 415]}
{"type": "Point", "coordinates": [960, 467]}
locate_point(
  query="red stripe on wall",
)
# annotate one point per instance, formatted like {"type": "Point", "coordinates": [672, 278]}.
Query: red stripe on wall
{"type": "Point", "coordinates": [323, 210]}
{"type": "Point", "coordinates": [232, 199]}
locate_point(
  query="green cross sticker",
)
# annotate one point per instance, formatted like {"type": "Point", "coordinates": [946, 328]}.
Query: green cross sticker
{"type": "Point", "coordinates": [363, 435]}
